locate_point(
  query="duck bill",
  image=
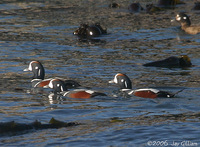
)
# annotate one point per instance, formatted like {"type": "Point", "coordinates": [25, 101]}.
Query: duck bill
{"type": "Point", "coordinates": [46, 86]}
{"type": "Point", "coordinates": [26, 69]}
{"type": "Point", "coordinates": [112, 81]}
{"type": "Point", "coordinates": [172, 20]}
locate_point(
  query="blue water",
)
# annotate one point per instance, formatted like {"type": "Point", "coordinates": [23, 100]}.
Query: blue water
{"type": "Point", "coordinates": [104, 121]}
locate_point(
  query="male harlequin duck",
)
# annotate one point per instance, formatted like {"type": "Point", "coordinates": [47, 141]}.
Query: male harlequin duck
{"type": "Point", "coordinates": [59, 88]}
{"type": "Point", "coordinates": [183, 61]}
{"type": "Point", "coordinates": [39, 73]}
{"type": "Point", "coordinates": [125, 85]}
{"type": "Point", "coordinates": [135, 7]}
{"type": "Point", "coordinates": [89, 31]}
{"type": "Point", "coordinates": [186, 24]}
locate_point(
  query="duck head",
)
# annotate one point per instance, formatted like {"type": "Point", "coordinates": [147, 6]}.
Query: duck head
{"type": "Point", "coordinates": [57, 85]}
{"type": "Point", "coordinates": [37, 68]}
{"type": "Point", "coordinates": [183, 19]}
{"type": "Point", "coordinates": [122, 80]}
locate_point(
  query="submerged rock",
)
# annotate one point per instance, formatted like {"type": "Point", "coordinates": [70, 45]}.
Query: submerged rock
{"type": "Point", "coordinates": [13, 127]}
{"type": "Point", "coordinates": [183, 61]}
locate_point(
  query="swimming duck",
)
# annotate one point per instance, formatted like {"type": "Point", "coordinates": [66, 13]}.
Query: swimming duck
{"type": "Point", "coordinates": [186, 24]}
{"type": "Point", "coordinates": [39, 73]}
{"type": "Point", "coordinates": [59, 88]}
{"type": "Point", "coordinates": [125, 85]}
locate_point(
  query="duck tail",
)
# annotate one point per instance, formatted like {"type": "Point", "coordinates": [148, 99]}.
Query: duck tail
{"type": "Point", "coordinates": [167, 94]}
{"type": "Point", "coordinates": [178, 92]}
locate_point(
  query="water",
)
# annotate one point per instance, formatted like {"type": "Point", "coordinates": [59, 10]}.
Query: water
{"type": "Point", "coordinates": [43, 30]}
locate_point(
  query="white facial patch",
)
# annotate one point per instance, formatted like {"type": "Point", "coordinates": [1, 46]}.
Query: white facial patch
{"type": "Point", "coordinates": [125, 84]}
{"type": "Point", "coordinates": [30, 66]}
{"type": "Point", "coordinates": [91, 33]}
{"type": "Point", "coordinates": [115, 79]}
{"type": "Point", "coordinates": [39, 72]}
{"type": "Point", "coordinates": [178, 18]}
{"type": "Point", "coordinates": [61, 88]}
{"type": "Point", "coordinates": [184, 17]}
{"type": "Point", "coordinates": [51, 84]}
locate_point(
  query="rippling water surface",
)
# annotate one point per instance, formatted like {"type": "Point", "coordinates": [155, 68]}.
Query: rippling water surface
{"type": "Point", "coordinates": [43, 30]}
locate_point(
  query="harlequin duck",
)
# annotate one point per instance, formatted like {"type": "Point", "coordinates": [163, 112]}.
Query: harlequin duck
{"type": "Point", "coordinates": [39, 73]}
{"type": "Point", "coordinates": [89, 31]}
{"type": "Point", "coordinates": [186, 24]}
{"type": "Point", "coordinates": [125, 85]}
{"type": "Point", "coordinates": [183, 61]}
{"type": "Point", "coordinates": [59, 87]}
{"type": "Point", "coordinates": [135, 7]}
